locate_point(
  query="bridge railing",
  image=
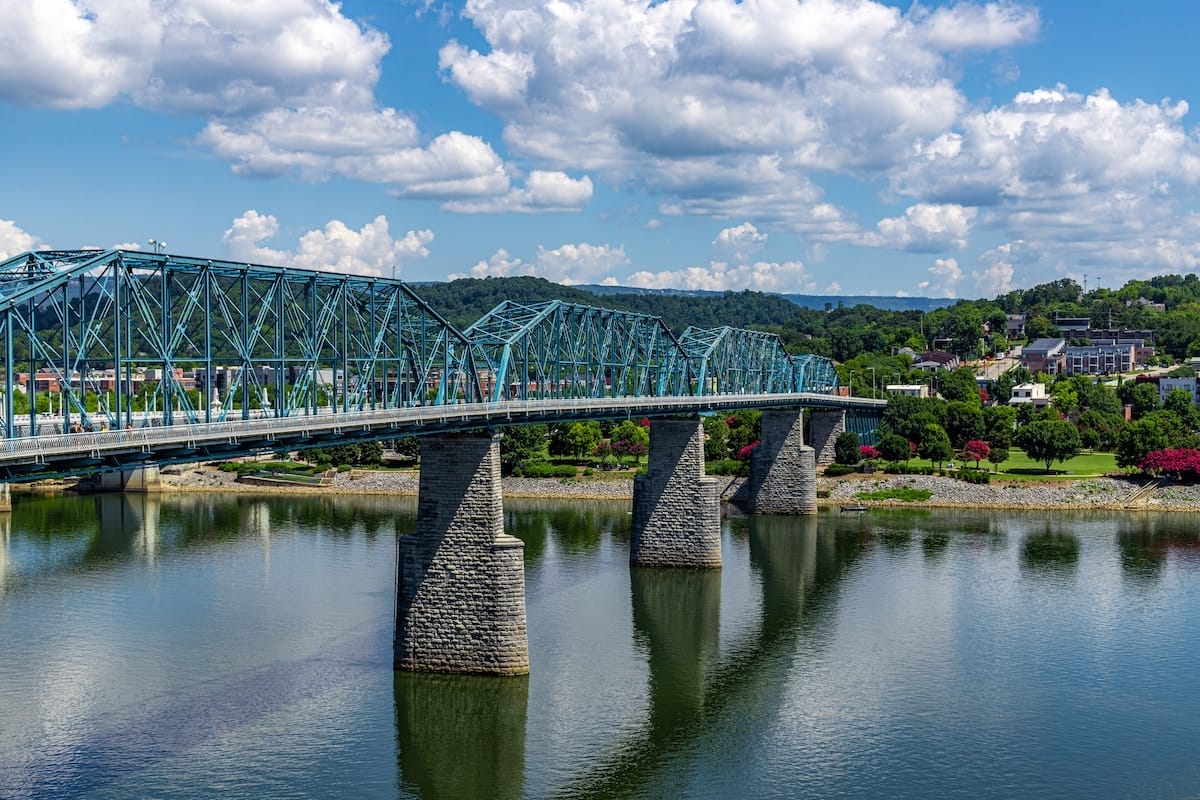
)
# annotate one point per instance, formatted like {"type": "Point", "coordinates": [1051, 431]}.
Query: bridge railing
{"type": "Point", "coordinates": [64, 446]}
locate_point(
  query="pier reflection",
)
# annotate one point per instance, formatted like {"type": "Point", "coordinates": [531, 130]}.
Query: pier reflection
{"type": "Point", "coordinates": [676, 616]}
{"type": "Point", "coordinates": [461, 736]}
{"type": "Point", "coordinates": [677, 621]}
{"type": "Point", "coordinates": [5, 534]}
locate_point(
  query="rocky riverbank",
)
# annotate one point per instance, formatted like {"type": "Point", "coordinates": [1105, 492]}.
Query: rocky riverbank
{"type": "Point", "coordinates": [1087, 493]}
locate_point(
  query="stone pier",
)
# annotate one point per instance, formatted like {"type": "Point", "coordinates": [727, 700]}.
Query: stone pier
{"type": "Point", "coordinates": [824, 429]}
{"type": "Point", "coordinates": [131, 479]}
{"type": "Point", "coordinates": [676, 508]}
{"type": "Point", "coordinates": [783, 471]}
{"type": "Point", "coordinates": [5, 498]}
{"type": "Point", "coordinates": [460, 593]}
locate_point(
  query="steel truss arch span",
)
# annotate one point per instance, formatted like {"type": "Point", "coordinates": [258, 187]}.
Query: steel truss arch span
{"type": "Point", "coordinates": [549, 349]}
{"type": "Point", "coordinates": [109, 333]}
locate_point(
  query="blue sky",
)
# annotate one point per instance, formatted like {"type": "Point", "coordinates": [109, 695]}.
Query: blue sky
{"type": "Point", "coordinates": [813, 146]}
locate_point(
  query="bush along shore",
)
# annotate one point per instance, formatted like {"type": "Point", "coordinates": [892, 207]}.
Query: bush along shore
{"type": "Point", "coordinates": [1098, 493]}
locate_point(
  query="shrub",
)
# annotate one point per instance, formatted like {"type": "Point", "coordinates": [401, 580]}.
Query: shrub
{"type": "Point", "coordinates": [971, 475]}
{"type": "Point", "coordinates": [836, 470]}
{"type": "Point", "coordinates": [907, 469]}
{"type": "Point", "coordinates": [728, 467]}
{"type": "Point", "coordinates": [900, 493]}
{"type": "Point", "coordinates": [540, 469]}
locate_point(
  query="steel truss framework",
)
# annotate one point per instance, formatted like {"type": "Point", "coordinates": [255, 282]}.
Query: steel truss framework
{"type": "Point", "coordinates": [268, 341]}
{"type": "Point", "coordinates": [104, 338]}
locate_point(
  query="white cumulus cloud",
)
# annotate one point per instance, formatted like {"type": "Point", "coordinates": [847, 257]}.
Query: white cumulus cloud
{"type": "Point", "coordinates": [943, 279]}
{"type": "Point", "coordinates": [739, 241]}
{"type": "Point", "coordinates": [566, 264]}
{"type": "Point", "coordinates": [370, 250]}
{"type": "Point", "coordinates": [925, 227]}
{"type": "Point", "coordinates": [14, 240]}
{"type": "Point", "coordinates": [763, 276]}
{"type": "Point", "coordinates": [724, 107]}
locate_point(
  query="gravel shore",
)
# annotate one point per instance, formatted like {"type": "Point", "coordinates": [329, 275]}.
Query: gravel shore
{"type": "Point", "coordinates": [1087, 493]}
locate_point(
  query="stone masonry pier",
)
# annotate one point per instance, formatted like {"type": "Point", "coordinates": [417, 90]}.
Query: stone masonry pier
{"type": "Point", "coordinates": [676, 508]}
{"type": "Point", "coordinates": [460, 605]}
{"type": "Point", "coordinates": [824, 429]}
{"type": "Point", "coordinates": [783, 472]}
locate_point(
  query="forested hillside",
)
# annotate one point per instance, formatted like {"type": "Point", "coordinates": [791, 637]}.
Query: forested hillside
{"type": "Point", "coordinates": [967, 328]}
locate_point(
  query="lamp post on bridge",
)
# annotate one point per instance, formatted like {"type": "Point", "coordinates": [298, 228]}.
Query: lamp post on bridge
{"type": "Point", "coordinates": [158, 246]}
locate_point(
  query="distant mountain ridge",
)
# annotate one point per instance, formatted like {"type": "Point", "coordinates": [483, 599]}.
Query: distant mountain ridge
{"type": "Point", "coordinates": [813, 301]}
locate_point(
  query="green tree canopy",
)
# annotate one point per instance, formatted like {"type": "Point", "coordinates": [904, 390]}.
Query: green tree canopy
{"type": "Point", "coordinates": [845, 448]}
{"type": "Point", "coordinates": [1048, 441]}
{"type": "Point", "coordinates": [935, 444]}
{"type": "Point", "coordinates": [964, 422]}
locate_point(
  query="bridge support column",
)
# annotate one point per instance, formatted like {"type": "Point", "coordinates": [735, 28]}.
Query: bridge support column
{"type": "Point", "coordinates": [134, 479]}
{"type": "Point", "coordinates": [783, 470]}
{"type": "Point", "coordinates": [460, 590]}
{"type": "Point", "coordinates": [824, 429]}
{"type": "Point", "coordinates": [676, 509]}
{"type": "Point", "coordinates": [5, 498]}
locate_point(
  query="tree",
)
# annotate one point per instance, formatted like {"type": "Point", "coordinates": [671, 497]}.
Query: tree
{"type": "Point", "coordinates": [845, 448]}
{"type": "Point", "coordinates": [1140, 396]}
{"type": "Point", "coordinates": [1048, 441]}
{"type": "Point", "coordinates": [1179, 401]}
{"type": "Point", "coordinates": [521, 443]}
{"type": "Point", "coordinates": [959, 384]}
{"type": "Point", "coordinates": [716, 438]}
{"type": "Point", "coordinates": [964, 421]}
{"type": "Point", "coordinates": [630, 439]}
{"type": "Point", "coordinates": [582, 438]}
{"type": "Point", "coordinates": [894, 447]}
{"type": "Point", "coordinates": [975, 450]}
{"type": "Point", "coordinates": [998, 424]}
{"type": "Point", "coordinates": [997, 456]}
{"type": "Point", "coordinates": [745, 426]}
{"type": "Point", "coordinates": [1143, 436]}
{"type": "Point", "coordinates": [935, 444]}
{"type": "Point", "coordinates": [1099, 429]}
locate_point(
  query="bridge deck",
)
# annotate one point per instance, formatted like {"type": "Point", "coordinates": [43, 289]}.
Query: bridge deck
{"type": "Point", "coordinates": [35, 456]}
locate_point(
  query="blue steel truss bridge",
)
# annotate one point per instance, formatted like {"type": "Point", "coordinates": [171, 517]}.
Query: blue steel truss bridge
{"type": "Point", "coordinates": [115, 358]}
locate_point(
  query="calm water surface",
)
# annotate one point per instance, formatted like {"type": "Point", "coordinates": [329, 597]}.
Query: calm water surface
{"type": "Point", "coordinates": [196, 646]}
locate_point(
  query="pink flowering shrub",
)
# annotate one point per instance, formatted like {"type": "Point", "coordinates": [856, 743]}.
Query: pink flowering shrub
{"type": "Point", "coordinates": [1183, 463]}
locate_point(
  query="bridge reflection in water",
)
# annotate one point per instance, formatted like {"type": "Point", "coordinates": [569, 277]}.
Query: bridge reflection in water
{"type": "Point", "coordinates": [693, 679]}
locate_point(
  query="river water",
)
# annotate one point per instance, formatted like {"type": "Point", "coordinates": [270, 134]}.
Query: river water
{"type": "Point", "coordinates": [197, 646]}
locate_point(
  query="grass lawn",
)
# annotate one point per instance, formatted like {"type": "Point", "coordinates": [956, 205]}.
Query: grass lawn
{"type": "Point", "coordinates": [1020, 467]}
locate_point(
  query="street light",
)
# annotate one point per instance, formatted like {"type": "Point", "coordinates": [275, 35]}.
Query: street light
{"type": "Point", "coordinates": [872, 382]}
{"type": "Point", "coordinates": [159, 247]}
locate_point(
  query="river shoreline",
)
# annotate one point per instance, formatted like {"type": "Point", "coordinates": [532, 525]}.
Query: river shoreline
{"type": "Point", "coordinates": [1085, 493]}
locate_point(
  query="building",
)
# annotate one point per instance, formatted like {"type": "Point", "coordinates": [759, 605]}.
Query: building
{"type": "Point", "coordinates": [1014, 326]}
{"type": "Point", "coordinates": [1165, 385]}
{"type": "Point", "coordinates": [1072, 327]}
{"type": "Point", "coordinates": [1045, 355]}
{"type": "Point", "coordinates": [933, 360]}
{"type": "Point", "coordinates": [1029, 394]}
{"type": "Point", "coordinates": [1100, 359]}
{"type": "Point", "coordinates": [908, 389]}
{"type": "Point", "coordinates": [1142, 341]}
